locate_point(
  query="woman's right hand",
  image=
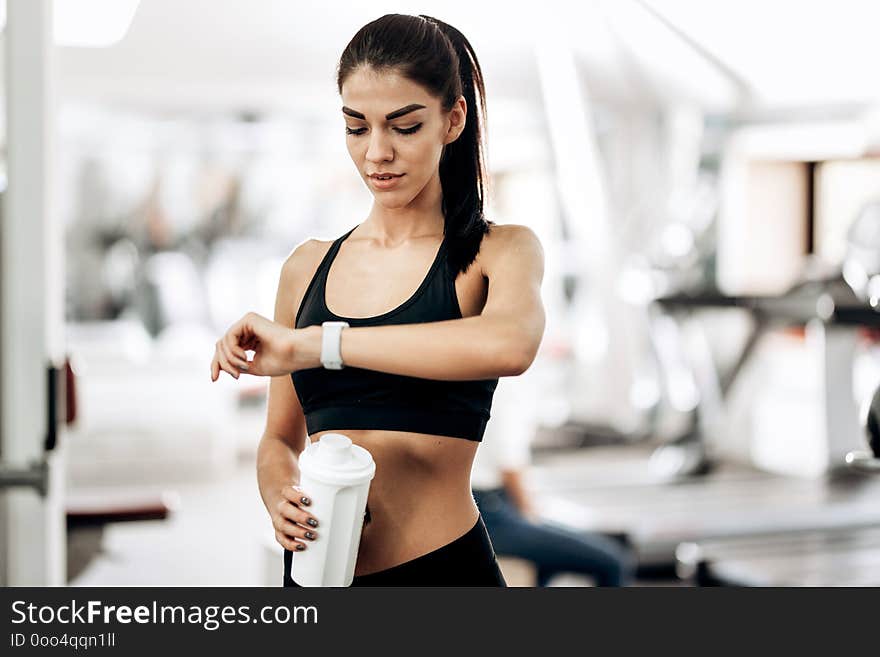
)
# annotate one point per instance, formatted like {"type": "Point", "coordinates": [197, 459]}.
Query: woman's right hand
{"type": "Point", "coordinates": [294, 526]}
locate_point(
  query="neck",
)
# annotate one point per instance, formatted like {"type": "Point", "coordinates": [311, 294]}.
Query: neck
{"type": "Point", "coordinates": [423, 216]}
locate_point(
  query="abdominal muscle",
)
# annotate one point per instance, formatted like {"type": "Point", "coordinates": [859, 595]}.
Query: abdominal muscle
{"type": "Point", "coordinates": [420, 497]}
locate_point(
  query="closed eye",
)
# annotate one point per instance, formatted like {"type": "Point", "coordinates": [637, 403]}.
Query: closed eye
{"type": "Point", "coordinates": [403, 131]}
{"type": "Point", "coordinates": [409, 131]}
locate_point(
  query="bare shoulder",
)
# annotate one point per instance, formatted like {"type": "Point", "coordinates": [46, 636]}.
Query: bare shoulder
{"type": "Point", "coordinates": [510, 243]}
{"type": "Point", "coordinates": [304, 258]}
{"type": "Point", "coordinates": [297, 271]}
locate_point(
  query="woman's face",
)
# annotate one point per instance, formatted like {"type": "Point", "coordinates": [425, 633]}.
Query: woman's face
{"type": "Point", "coordinates": [394, 126]}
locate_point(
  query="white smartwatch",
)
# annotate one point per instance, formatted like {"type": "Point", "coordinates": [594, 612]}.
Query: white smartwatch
{"type": "Point", "coordinates": [331, 342]}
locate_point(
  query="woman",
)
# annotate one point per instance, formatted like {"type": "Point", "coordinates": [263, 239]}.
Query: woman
{"type": "Point", "coordinates": [437, 307]}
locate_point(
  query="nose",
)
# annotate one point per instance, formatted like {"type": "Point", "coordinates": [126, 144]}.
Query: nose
{"type": "Point", "coordinates": [380, 149]}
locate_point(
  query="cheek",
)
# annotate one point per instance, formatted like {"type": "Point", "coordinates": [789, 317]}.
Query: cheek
{"type": "Point", "coordinates": [425, 153]}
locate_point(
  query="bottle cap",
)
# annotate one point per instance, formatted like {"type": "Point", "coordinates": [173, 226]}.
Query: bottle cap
{"type": "Point", "coordinates": [335, 460]}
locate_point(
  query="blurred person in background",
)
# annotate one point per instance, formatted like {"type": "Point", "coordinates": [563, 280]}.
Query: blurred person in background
{"type": "Point", "coordinates": [507, 507]}
{"type": "Point", "coordinates": [436, 303]}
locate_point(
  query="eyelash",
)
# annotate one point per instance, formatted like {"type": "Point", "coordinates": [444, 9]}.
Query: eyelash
{"type": "Point", "coordinates": [403, 131]}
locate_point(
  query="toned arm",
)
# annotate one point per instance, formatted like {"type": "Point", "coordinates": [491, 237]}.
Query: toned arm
{"type": "Point", "coordinates": [502, 341]}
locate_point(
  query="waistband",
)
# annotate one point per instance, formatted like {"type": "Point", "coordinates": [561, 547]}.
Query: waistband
{"type": "Point", "coordinates": [469, 560]}
{"type": "Point", "coordinates": [474, 542]}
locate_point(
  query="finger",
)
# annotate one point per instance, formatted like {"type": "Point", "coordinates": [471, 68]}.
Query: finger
{"type": "Point", "coordinates": [229, 369]}
{"type": "Point", "coordinates": [233, 343]}
{"type": "Point", "coordinates": [235, 354]}
{"type": "Point", "coordinates": [245, 334]}
{"type": "Point", "coordinates": [215, 366]}
{"type": "Point", "coordinates": [292, 530]}
{"type": "Point", "coordinates": [240, 331]}
{"type": "Point", "coordinates": [296, 495]}
{"type": "Point", "coordinates": [297, 514]}
{"type": "Point", "coordinates": [290, 543]}
{"type": "Point", "coordinates": [250, 337]}
{"type": "Point", "coordinates": [233, 368]}
{"type": "Point", "coordinates": [238, 343]}
{"type": "Point", "coordinates": [224, 361]}
{"type": "Point", "coordinates": [249, 342]}
{"type": "Point", "coordinates": [295, 510]}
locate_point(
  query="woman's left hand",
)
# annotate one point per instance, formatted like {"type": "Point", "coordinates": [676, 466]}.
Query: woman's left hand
{"type": "Point", "coordinates": [278, 349]}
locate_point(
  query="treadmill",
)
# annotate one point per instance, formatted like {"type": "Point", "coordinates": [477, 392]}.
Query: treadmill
{"type": "Point", "coordinates": [819, 558]}
{"type": "Point", "coordinates": [721, 515]}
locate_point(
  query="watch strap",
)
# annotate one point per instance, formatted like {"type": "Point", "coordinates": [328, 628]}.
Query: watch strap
{"type": "Point", "coordinates": [331, 344]}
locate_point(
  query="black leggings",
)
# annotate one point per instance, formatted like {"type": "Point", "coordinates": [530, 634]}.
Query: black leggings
{"type": "Point", "coordinates": [467, 561]}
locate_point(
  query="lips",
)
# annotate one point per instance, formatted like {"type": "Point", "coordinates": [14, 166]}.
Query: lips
{"type": "Point", "coordinates": [385, 183]}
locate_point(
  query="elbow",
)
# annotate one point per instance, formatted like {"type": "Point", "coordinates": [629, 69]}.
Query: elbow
{"type": "Point", "coordinates": [518, 358]}
{"type": "Point", "coordinates": [519, 343]}
{"type": "Point", "coordinates": [524, 363]}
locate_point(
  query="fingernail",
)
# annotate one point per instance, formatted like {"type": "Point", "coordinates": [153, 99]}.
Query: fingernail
{"type": "Point", "coordinates": [310, 536]}
{"type": "Point", "coordinates": [312, 522]}
{"type": "Point", "coordinates": [305, 500]}
{"type": "Point", "coordinates": [300, 547]}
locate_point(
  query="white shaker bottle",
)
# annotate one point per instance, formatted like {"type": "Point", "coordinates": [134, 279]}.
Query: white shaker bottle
{"type": "Point", "coordinates": [336, 474]}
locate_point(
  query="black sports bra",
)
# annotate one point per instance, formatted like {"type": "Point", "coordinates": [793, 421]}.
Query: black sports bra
{"type": "Point", "coordinates": [354, 398]}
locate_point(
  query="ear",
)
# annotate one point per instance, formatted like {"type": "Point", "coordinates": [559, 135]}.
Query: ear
{"type": "Point", "coordinates": [457, 120]}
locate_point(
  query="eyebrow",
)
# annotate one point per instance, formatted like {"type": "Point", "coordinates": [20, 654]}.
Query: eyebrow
{"type": "Point", "coordinates": [388, 117]}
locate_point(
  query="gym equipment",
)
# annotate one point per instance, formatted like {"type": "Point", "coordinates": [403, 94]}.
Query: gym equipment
{"type": "Point", "coordinates": [601, 491]}
{"type": "Point", "coordinates": [683, 349]}
{"type": "Point", "coordinates": [88, 515]}
{"type": "Point", "coordinates": [738, 502]}
{"type": "Point", "coordinates": [812, 558]}
{"type": "Point", "coordinates": [869, 461]}
{"type": "Point", "coordinates": [872, 423]}
{"type": "Point", "coordinates": [861, 269]}
{"type": "Point", "coordinates": [829, 310]}
{"type": "Point", "coordinates": [850, 558]}
{"type": "Point", "coordinates": [824, 297]}
{"type": "Point", "coordinates": [684, 260]}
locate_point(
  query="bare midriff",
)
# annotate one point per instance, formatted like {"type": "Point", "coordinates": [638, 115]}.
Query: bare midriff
{"type": "Point", "coordinates": [420, 498]}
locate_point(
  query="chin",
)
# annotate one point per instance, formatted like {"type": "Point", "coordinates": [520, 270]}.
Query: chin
{"type": "Point", "coordinates": [391, 204]}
